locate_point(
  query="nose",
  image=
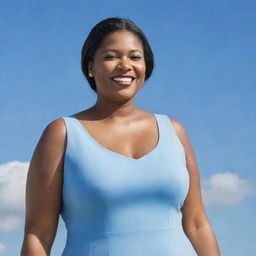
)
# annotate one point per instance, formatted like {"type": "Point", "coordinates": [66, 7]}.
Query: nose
{"type": "Point", "coordinates": [124, 64]}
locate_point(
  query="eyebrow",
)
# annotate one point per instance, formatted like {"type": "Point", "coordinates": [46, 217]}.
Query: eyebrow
{"type": "Point", "coordinates": [113, 50]}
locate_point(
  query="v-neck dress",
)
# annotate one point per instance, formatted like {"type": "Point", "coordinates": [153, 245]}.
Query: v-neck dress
{"type": "Point", "coordinates": [115, 205]}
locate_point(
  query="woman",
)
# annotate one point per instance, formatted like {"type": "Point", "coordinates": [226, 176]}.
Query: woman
{"type": "Point", "coordinates": [125, 181]}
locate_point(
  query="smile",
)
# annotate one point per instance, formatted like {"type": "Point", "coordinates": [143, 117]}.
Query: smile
{"type": "Point", "coordinates": [123, 80]}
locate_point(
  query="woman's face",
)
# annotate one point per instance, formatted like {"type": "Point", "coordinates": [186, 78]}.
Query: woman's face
{"type": "Point", "coordinates": [120, 54]}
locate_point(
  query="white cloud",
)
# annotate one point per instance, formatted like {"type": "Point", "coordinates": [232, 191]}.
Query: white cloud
{"type": "Point", "coordinates": [2, 248]}
{"type": "Point", "coordinates": [12, 194]}
{"type": "Point", "coordinates": [225, 189]}
{"type": "Point", "coordinates": [9, 223]}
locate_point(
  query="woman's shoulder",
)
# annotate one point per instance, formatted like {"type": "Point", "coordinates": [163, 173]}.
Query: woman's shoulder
{"type": "Point", "coordinates": [178, 126]}
{"type": "Point", "coordinates": [53, 134]}
{"type": "Point", "coordinates": [175, 123]}
{"type": "Point", "coordinates": [56, 126]}
{"type": "Point", "coordinates": [179, 129]}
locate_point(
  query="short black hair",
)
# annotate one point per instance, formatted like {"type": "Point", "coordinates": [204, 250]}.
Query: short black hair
{"type": "Point", "coordinates": [100, 31]}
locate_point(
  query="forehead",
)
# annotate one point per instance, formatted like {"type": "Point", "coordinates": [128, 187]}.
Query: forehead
{"type": "Point", "coordinates": [121, 40]}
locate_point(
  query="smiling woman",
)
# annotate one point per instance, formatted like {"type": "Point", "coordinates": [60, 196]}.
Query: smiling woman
{"type": "Point", "coordinates": [125, 181]}
{"type": "Point", "coordinates": [139, 48]}
{"type": "Point", "coordinates": [118, 63]}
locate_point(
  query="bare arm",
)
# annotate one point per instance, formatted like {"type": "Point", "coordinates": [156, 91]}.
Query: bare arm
{"type": "Point", "coordinates": [43, 191]}
{"type": "Point", "coordinates": [195, 222]}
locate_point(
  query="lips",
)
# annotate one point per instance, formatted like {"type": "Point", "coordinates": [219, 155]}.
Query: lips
{"type": "Point", "coordinates": [123, 77]}
{"type": "Point", "coordinates": [123, 80]}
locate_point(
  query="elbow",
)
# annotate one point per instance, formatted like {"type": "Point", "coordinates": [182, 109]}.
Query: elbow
{"type": "Point", "coordinates": [193, 224]}
{"type": "Point", "coordinates": [35, 245]}
{"type": "Point", "coordinates": [194, 228]}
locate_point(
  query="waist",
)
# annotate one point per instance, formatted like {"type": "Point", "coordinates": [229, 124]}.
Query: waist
{"type": "Point", "coordinates": [92, 235]}
{"type": "Point", "coordinates": [124, 221]}
{"type": "Point", "coordinates": [161, 241]}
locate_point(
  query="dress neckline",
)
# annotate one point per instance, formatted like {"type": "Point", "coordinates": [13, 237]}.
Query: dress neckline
{"type": "Point", "coordinates": [152, 151]}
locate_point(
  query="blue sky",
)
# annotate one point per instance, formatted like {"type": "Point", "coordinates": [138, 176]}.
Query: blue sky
{"type": "Point", "coordinates": [204, 77]}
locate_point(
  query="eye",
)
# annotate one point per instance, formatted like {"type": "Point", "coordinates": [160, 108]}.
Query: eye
{"type": "Point", "coordinates": [136, 57]}
{"type": "Point", "coordinates": [109, 57]}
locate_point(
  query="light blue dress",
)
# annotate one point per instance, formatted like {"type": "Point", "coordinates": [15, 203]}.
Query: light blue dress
{"type": "Point", "coordinates": [115, 205]}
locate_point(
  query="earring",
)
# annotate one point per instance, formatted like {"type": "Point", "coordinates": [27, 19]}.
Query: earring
{"type": "Point", "coordinates": [90, 75]}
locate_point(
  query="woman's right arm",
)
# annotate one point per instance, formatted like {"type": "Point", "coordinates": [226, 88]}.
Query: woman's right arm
{"type": "Point", "coordinates": [43, 191]}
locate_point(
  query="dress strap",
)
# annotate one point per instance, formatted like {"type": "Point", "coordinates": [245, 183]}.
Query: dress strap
{"type": "Point", "coordinates": [169, 135]}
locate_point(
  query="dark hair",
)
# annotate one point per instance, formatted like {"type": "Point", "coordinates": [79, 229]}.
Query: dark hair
{"type": "Point", "coordinates": [100, 31]}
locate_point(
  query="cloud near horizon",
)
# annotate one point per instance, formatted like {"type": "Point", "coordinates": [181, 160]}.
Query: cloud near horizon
{"type": "Point", "coordinates": [2, 248]}
{"type": "Point", "coordinates": [12, 194]}
{"type": "Point", "coordinates": [225, 189]}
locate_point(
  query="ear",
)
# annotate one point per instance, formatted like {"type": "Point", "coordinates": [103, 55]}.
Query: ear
{"type": "Point", "coordinates": [90, 66]}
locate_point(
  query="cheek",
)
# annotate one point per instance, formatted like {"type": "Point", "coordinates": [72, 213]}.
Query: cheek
{"type": "Point", "coordinates": [141, 68]}
{"type": "Point", "coordinates": [104, 70]}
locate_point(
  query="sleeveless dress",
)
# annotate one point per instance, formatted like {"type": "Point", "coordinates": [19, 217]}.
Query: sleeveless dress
{"type": "Point", "coordinates": [115, 205]}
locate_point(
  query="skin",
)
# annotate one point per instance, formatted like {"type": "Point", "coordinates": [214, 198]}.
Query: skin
{"type": "Point", "coordinates": [124, 123]}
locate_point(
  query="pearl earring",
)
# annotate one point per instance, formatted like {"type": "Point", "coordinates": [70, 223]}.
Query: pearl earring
{"type": "Point", "coordinates": [90, 75]}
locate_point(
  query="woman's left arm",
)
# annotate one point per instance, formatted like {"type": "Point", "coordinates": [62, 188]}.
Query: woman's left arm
{"type": "Point", "coordinates": [195, 222]}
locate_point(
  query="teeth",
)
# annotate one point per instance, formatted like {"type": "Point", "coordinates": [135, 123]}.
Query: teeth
{"type": "Point", "coordinates": [122, 79]}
